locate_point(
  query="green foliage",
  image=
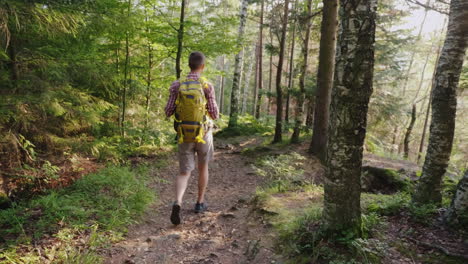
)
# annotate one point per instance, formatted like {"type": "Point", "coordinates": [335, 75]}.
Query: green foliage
{"type": "Point", "coordinates": [110, 198]}
{"type": "Point", "coordinates": [280, 171]}
{"type": "Point", "coordinates": [385, 204]}
{"type": "Point", "coordinates": [422, 213]}
{"type": "Point", "coordinates": [305, 240]}
{"type": "Point", "coordinates": [248, 125]}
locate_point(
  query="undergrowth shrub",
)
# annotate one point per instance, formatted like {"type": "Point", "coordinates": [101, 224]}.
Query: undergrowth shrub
{"type": "Point", "coordinates": [385, 204]}
{"type": "Point", "coordinates": [248, 125]}
{"type": "Point", "coordinates": [110, 198]}
{"type": "Point", "coordinates": [281, 171]}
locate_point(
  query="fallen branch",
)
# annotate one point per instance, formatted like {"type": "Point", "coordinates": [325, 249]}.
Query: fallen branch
{"type": "Point", "coordinates": [435, 246]}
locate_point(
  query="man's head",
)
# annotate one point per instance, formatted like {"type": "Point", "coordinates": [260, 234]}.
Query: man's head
{"type": "Point", "coordinates": [196, 61]}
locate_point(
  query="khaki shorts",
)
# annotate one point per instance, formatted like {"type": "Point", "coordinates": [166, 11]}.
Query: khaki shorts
{"type": "Point", "coordinates": [187, 153]}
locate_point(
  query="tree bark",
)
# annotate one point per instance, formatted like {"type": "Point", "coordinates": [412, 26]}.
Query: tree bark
{"type": "Point", "coordinates": [180, 39]}
{"type": "Point", "coordinates": [234, 114]}
{"type": "Point", "coordinates": [458, 210]}
{"type": "Point", "coordinates": [326, 65]}
{"type": "Point", "coordinates": [444, 105]}
{"type": "Point", "coordinates": [310, 112]}
{"type": "Point", "coordinates": [352, 89]}
{"type": "Point", "coordinates": [279, 93]}
{"type": "Point", "coordinates": [258, 104]}
{"type": "Point", "coordinates": [409, 130]}
{"type": "Point", "coordinates": [301, 97]}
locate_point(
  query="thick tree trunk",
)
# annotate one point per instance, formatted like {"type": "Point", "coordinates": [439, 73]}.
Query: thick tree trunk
{"type": "Point", "coordinates": [180, 38]}
{"type": "Point", "coordinates": [258, 104]}
{"type": "Point", "coordinates": [409, 130]}
{"type": "Point", "coordinates": [458, 210]}
{"type": "Point", "coordinates": [444, 105]}
{"type": "Point", "coordinates": [301, 97]}
{"type": "Point", "coordinates": [352, 89]}
{"type": "Point", "coordinates": [326, 65]}
{"type": "Point", "coordinates": [234, 114]}
{"type": "Point", "coordinates": [279, 93]}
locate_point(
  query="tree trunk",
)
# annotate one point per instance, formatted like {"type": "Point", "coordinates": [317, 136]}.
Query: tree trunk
{"type": "Point", "coordinates": [279, 93]}
{"type": "Point", "coordinates": [258, 104]}
{"type": "Point", "coordinates": [409, 130]}
{"type": "Point", "coordinates": [444, 105]}
{"type": "Point", "coordinates": [301, 96]}
{"type": "Point", "coordinates": [414, 52]}
{"type": "Point", "coordinates": [270, 78]}
{"type": "Point", "coordinates": [221, 95]}
{"type": "Point", "coordinates": [291, 67]}
{"type": "Point", "coordinates": [352, 89]}
{"type": "Point", "coordinates": [234, 114]}
{"type": "Point", "coordinates": [326, 65]}
{"type": "Point", "coordinates": [428, 109]}
{"type": "Point", "coordinates": [14, 69]}
{"type": "Point", "coordinates": [458, 210]}
{"type": "Point", "coordinates": [255, 86]}
{"type": "Point", "coordinates": [408, 71]}
{"type": "Point", "coordinates": [180, 39]}
{"type": "Point", "coordinates": [126, 81]}
{"type": "Point", "coordinates": [248, 74]}
{"type": "Point", "coordinates": [148, 84]}
{"type": "Point", "coordinates": [310, 112]}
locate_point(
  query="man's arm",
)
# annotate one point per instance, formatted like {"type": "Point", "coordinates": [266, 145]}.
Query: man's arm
{"type": "Point", "coordinates": [171, 102]}
{"type": "Point", "coordinates": [211, 105]}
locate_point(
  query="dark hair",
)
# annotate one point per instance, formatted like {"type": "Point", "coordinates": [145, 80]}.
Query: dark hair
{"type": "Point", "coordinates": [196, 60]}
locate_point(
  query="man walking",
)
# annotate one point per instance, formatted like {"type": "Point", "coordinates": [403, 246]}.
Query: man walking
{"type": "Point", "coordinates": [192, 101]}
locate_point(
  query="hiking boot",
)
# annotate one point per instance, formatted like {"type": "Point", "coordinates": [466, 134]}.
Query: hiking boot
{"type": "Point", "coordinates": [200, 207]}
{"type": "Point", "coordinates": [175, 215]}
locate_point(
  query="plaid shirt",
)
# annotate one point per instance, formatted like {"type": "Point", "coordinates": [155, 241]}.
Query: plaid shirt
{"type": "Point", "coordinates": [211, 105]}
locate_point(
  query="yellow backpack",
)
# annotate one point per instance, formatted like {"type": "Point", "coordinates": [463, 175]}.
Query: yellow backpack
{"type": "Point", "coordinates": [191, 114]}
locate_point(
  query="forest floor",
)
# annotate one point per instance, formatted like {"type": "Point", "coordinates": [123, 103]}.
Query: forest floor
{"type": "Point", "coordinates": [233, 230]}
{"type": "Point", "coordinates": [226, 233]}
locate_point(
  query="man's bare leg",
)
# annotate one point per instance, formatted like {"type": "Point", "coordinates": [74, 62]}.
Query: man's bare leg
{"type": "Point", "coordinates": [181, 183]}
{"type": "Point", "coordinates": [202, 181]}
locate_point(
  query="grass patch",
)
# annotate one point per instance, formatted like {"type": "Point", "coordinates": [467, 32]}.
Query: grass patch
{"type": "Point", "coordinates": [98, 206]}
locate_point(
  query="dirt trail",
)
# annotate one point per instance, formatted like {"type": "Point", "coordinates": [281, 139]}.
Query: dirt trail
{"type": "Point", "coordinates": [227, 233]}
